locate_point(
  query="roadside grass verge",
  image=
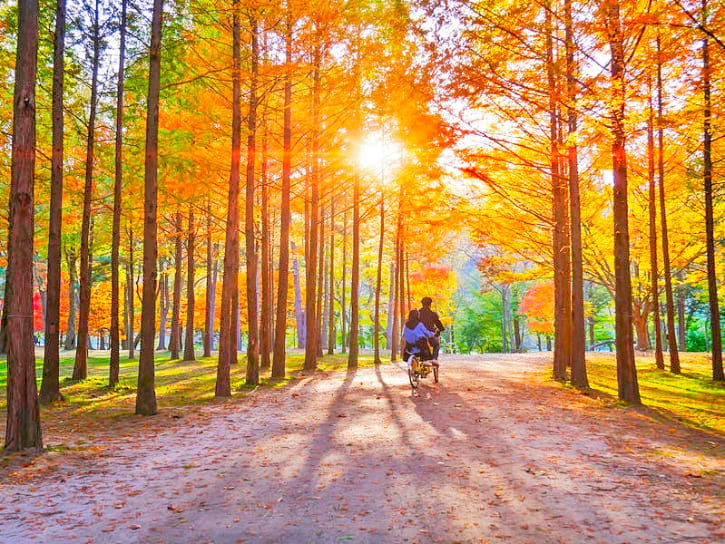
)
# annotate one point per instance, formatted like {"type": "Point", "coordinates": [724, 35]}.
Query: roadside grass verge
{"type": "Point", "coordinates": [691, 398]}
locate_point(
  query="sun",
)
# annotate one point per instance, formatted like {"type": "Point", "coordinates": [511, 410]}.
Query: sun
{"type": "Point", "coordinates": [378, 154]}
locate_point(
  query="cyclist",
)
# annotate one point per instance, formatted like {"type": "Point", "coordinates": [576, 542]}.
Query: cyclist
{"type": "Point", "coordinates": [430, 319]}
{"type": "Point", "coordinates": [416, 336]}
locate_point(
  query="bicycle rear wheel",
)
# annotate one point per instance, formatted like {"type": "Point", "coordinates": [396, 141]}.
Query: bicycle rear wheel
{"type": "Point", "coordinates": [413, 375]}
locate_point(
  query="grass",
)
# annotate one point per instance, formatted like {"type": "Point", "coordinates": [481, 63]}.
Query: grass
{"type": "Point", "coordinates": [178, 383]}
{"type": "Point", "coordinates": [691, 398]}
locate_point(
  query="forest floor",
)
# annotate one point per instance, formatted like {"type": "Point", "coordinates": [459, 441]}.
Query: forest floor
{"type": "Point", "coordinates": [496, 452]}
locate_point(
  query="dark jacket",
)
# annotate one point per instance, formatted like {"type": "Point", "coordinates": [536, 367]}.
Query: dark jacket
{"type": "Point", "coordinates": [431, 320]}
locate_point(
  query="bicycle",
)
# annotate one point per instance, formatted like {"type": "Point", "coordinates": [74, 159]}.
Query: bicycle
{"type": "Point", "coordinates": [418, 370]}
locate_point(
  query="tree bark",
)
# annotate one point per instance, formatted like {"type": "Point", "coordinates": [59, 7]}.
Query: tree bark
{"type": "Point", "coordinates": [175, 341]}
{"type": "Point", "coordinates": [331, 336]}
{"type": "Point", "coordinates": [300, 315]}
{"type": "Point", "coordinates": [379, 282]}
{"type": "Point", "coordinates": [115, 360]}
{"type": "Point", "coordinates": [208, 316]}
{"type": "Point", "coordinates": [50, 386]}
{"type": "Point", "coordinates": [352, 359]}
{"type": "Point", "coordinates": [715, 334]}
{"type": "Point", "coordinates": [164, 303]}
{"type": "Point", "coordinates": [654, 273]}
{"type": "Point", "coordinates": [190, 242]}
{"type": "Point", "coordinates": [578, 328]}
{"type": "Point", "coordinates": [146, 394]}
{"type": "Point", "coordinates": [394, 329]}
{"type": "Point", "coordinates": [80, 368]}
{"type": "Point", "coordinates": [23, 412]}
{"type": "Point", "coordinates": [71, 258]}
{"type": "Point", "coordinates": [671, 334]}
{"type": "Point", "coordinates": [562, 264]}
{"type": "Point", "coordinates": [343, 288]}
{"type": "Point", "coordinates": [250, 238]}
{"type": "Point", "coordinates": [227, 341]}
{"type": "Point", "coordinates": [628, 388]}
{"type": "Point", "coordinates": [278, 359]}
{"type": "Point", "coordinates": [265, 332]}
{"type": "Point", "coordinates": [311, 263]}
{"type": "Point", "coordinates": [131, 292]}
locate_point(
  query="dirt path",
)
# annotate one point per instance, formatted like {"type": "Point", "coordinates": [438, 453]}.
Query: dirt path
{"type": "Point", "coordinates": [488, 455]}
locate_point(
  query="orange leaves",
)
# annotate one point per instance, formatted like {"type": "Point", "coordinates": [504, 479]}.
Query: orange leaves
{"type": "Point", "coordinates": [537, 305]}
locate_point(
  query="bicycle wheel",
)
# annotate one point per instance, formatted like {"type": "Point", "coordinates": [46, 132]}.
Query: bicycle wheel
{"type": "Point", "coordinates": [413, 375]}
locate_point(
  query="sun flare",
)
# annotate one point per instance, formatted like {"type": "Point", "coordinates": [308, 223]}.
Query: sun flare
{"type": "Point", "coordinates": [378, 154]}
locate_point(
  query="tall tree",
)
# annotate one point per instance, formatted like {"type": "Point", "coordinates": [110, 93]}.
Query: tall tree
{"type": "Point", "coordinates": [379, 281]}
{"type": "Point", "coordinates": [22, 428]}
{"type": "Point", "coordinates": [652, 205]}
{"type": "Point", "coordinates": [80, 368]}
{"type": "Point", "coordinates": [227, 343]}
{"type": "Point", "coordinates": [278, 356]}
{"type": "Point", "coordinates": [190, 241]}
{"type": "Point", "coordinates": [562, 292]}
{"type": "Point", "coordinates": [50, 387]}
{"type": "Point", "coordinates": [175, 340]}
{"type": "Point", "coordinates": [117, 185]}
{"type": "Point", "coordinates": [146, 393]}
{"type": "Point", "coordinates": [715, 335]}
{"type": "Point", "coordinates": [578, 330]}
{"type": "Point", "coordinates": [250, 230]}
{"type": "Point", "coordinates": [352, 356]}
{"type": "Point", "coordinates": [628, 388]}
{"type": "Point", "coordinates": [311, 263]}
{"type": "Point", "coordinates": [671, 334]}
{"type": "Point", "coordinates": [210, 295]}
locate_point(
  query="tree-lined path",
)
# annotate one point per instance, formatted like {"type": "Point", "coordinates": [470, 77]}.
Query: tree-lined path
{"type": "Point", "coordinates": [494, 453]}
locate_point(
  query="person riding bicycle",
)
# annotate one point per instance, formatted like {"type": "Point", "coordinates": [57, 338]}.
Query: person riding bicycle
{"type": "Point", "coordinates": [432, 322]}
{"type": "Point", "coordinates": [416, 336]}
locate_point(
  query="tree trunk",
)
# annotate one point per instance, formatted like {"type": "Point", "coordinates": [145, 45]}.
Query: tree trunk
{"type": "Point", "coordinates": [628, 388]}
{"type": "Point", "coordinates": [343, 288]}
{"type": "Point", "coordinates": [393, 325]}
{"type": "Point", "coordinates": [578, 329]}
{"type": "Point", "coordinates": [379, 281]}
{"type": "Point", "coordinates": [164, 304]}
{"type": "Point", "coordinates": [71, 257]}
{"type": "Point", "coordinates": [250, 238]}
{"type": "Point", "coordinates": [320, 331]}
{"type": "Point", "coordinates": [355, 282]}
{"type": "Point", "coordinates": [654, 274]}
{"type": "Point", "coordinates": [50, 387]}
{"type": "Point", "coordinates": [146, 394]}
{"type": "Point", "coordinates": [115, 360]}
{"type": "Point", "coordinates": [331, 336]}
{"type": "Point", "coordinates": [23, 412]}
{"type": "Point", "coordinates": [131, 294]}
{"type": "Point", "coordinates": [278, 359]}
{"type": "Point", "coordinates": [190, 241]}
{"type": "Point", "coordinates": [227, 342]}
{"type": "Point", "coordinates": [300, 315]}
{"type": "Point", "coordinates": [562, 292]}
{"type": "Point", "coordinates": [681, 320]}
{"type": "Point", "coordinates": [311, 262]}
{"type": "Point", "coordinates": [717, 366]}
{"type": "Point", "coordinates": [671, 335]}
{"type": "Point", "coordinates": [208, 318]}
{"type": "Point", "coordinates": [265, 332]}
{"type": "Point", "coordinates": [175, 340]}
{"type": "Point", "coordinates": [80, 368]}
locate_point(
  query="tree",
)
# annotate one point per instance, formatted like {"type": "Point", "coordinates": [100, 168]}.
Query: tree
{"type": "Point", "coordinates": [227, 343]}
{"type": "Point", "coordinates": [189, 340]}
{"type": "Point", "coordinates": [146, 393]}
{"type": "Point", "coordinates": [628, 388]}
{"type": "Point", "coordinates": [22, 428]}
{"type": "Point", "coordinates": [117, 186]}
{"type": "Point", "coordinates": [80, 367]}
{"type": "Point", "coordinates": [717, 366]}
{"type": "Point", "coordinates": [50, 387]}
